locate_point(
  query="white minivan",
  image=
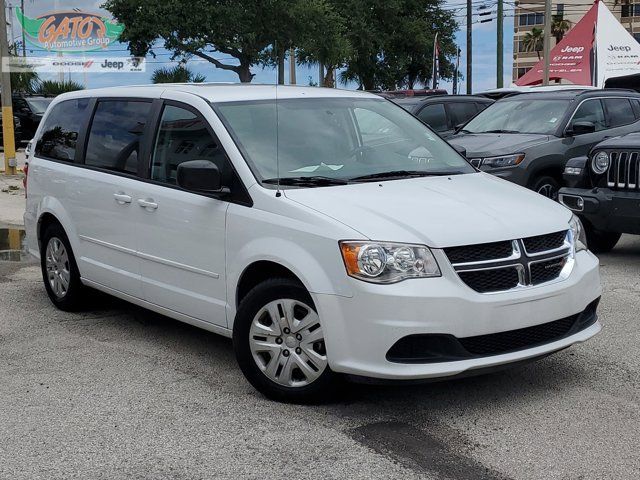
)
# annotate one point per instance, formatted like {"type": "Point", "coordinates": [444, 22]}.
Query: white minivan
{"type": "Point", "coordinates": [329, 233]}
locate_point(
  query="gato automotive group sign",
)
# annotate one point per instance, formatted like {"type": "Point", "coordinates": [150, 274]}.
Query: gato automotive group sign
{"type": "Point", "coordinates": [70, 31]}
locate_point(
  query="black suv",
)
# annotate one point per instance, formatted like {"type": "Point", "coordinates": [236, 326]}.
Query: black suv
{"type": "Point", "coordinates": [529, 138]}
{"type": "Point", "coordinates": [443, 113]}
{"type": "Point", "coordinates": [604, 190]}
{"type": "Point", "coordinates": [29, 110]}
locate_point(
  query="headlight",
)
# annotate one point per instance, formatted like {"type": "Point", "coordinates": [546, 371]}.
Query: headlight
{"type": "Point", "coordinates": [388, 262]}
{"type": "Point", "coordinates": [579, 236]}
{"type": "Point", "coordinates": [600, 163]}
{"type": "Point", "coordinates": [504, 161]}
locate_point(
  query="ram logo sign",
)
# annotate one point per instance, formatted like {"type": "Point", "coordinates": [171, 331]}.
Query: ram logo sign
{"type": "Point", "coordinates": [70, 31]}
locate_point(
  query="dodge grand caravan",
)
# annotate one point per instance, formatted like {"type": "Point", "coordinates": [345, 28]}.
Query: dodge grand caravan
{"type": "Point", "coordinates": [329, 233]}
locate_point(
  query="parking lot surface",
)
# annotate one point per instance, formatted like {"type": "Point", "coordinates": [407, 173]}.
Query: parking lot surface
{"type": "Point", "coordinates": [119, 392]}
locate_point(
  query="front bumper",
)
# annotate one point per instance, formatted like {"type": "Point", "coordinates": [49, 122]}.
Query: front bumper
{"type": "Point", "coordinates": [605, 209]}
{"type": "Point", "coordinates": [360, 330]}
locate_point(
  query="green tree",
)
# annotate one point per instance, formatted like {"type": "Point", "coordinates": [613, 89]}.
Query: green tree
{"type": "Point", "coordinates": [53, 87]}
{"type": "Point", "coordinates": [23, 82]}
{"type": "Point", "coordinates": [177, 74]}
{"type": "Point", "coordinates": [559, 26]}
{"type": "Point", "coordinates": [233, 35]}
{"type": "Point", "coordinates": [533, 41]}
{"type": "Point", "coordinates": [392, 41]}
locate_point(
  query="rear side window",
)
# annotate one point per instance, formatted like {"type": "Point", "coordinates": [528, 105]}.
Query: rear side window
{"type": "Point", "coordinates": [116, 135]}
{"type": "Point", "coordinates": [462, 112]}
{"type": "Point", "coordinates": [620, 111]}
{"type": "Point", "coordinates": [61, 129]}
{"type": "Point", "coordinates": [434, 116]}
{"type": "Point", "coordinates": [182, 137]}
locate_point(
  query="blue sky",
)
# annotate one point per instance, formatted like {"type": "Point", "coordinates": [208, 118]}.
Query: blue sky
{"type": "Point", "coordinates": [484, 52]}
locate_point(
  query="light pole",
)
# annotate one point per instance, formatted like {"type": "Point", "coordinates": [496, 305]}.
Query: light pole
{"type": "Point", "coordinates": [7, 107]}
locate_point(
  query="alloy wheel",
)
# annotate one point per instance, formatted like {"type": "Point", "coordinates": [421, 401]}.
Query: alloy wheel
{"type": "Point", "coordinates": [287, 343]}
{"type": "Point", "coordinates": [57, 264]}
{"type": "Point", "coordinates": [548, 190]}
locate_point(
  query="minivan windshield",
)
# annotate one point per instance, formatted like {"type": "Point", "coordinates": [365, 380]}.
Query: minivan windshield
{"type": "Point", "coordinates": [328, 141]}
{"type": "Point", "coordinates": [519, 116]}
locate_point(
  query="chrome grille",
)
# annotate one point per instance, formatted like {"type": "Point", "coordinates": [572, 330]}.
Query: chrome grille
{"type": "Point", "coordinates": [624, 170]}
{"type": "Point", "coordinates": [527, 262]}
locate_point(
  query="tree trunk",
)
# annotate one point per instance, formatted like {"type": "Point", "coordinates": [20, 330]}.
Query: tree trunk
{"type": "Point", "coordinates": [329, 78]}
{"type": "Point", "coordinates": [244, 73]}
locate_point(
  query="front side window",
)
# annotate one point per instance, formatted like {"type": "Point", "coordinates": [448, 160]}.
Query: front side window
{"type": "Point", "coordinates": [620, 111]}
{"type": "Point", "coordinates": [335, 138]}
{"type": "Point", "coordinates": [116, 135]}
{"type": "Point", "coordinates": [519, 116]}
{"type": "Point", "coordinates": [61, 129]}
{"type": "Point", "coordinates": [182, 137]}
{"type": "Point", "coordinates": [434, 116]}
{"type": "Point", "coordinates": [590, 111]}
{"type": "Point", "coordinates": [38, 105]}
{"type": "Point", "coordinates": [462, 112]}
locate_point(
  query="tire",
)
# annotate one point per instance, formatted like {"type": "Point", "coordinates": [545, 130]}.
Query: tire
{"type": "Point", "coordinates": [270, 356]}
{"type": "Point", "coordinates": [546, 186]}
{"type": "Point", "coordinates": [60, 272]}
{"type": "Point", "coordinates": [599, 241]}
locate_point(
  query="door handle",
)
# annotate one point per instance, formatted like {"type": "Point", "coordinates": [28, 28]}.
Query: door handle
{"type": "Point", "coordinates": [149, 204]}
{"type": "Point", "coordinates": [122, 198]}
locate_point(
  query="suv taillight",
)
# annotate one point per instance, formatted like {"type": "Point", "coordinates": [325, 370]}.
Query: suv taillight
{"type": "Point", "coordinates": [24, 180]}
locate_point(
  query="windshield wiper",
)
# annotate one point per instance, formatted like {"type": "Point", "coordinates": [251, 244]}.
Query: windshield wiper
{"type": "Point", "coordinates": [400, 174]}
{"type": "Point", "coordinates": [501, 131]}
{"type": "Point", "coordinates": [311, 181]}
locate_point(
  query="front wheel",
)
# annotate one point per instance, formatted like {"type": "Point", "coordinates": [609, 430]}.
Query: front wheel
{"type": "Point", "coordinates": [601, 242]}
{"type": "Point", "coordinates": [279, 343]}
{"type": "Point", "coordinates": [546, 186]}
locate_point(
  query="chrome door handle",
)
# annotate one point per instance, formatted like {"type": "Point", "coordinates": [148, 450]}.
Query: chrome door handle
{"type": "Point", "coordinates": [148, 204]}
{"type": "Point", "coordinates": [122, 198]}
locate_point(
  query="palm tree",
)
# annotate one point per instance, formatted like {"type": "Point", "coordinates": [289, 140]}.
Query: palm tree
{"type": "Point", "coordinates": [177, 74]}
{"type": "Point", "coordinates": [53, 87]}
{"type": "Point", "coordinates": [559, 26]}
{"type": "Point", "coordinates": [533, 41]}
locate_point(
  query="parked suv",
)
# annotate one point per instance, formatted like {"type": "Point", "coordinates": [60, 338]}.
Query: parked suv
{"type": "Point", "coordinates": [603, 188]}
{"type": "Point", "coordinates": [529, 138]}
{"type": "Point", "coordinates": [29, 109]}
{"type": "Point", "coordinates": [443, 113]}
{"type": "Point", "coordinates": [279, 217]}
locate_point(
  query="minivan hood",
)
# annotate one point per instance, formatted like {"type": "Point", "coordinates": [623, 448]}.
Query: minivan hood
{"type": "Point", "coordinates": [495, 144]}
{"type": "Point", "coordinates": [438, 211]}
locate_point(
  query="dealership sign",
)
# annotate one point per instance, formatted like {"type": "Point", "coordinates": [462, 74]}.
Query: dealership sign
{"type": "Point", "coordinates": [70, 31]}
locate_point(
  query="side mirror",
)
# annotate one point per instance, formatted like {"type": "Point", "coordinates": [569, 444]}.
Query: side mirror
{"type": "Point", "coordinates": [580, 128]}
{"type": "Point", "coordinates": [200, 176]}
{"type": "Point", "coordinates": [460, 149]}
{"type": "Point", "coordinates": [458, 127]}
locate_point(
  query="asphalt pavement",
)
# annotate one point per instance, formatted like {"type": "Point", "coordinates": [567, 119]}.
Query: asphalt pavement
{"type": "Point", "coordinates": [121, 393]}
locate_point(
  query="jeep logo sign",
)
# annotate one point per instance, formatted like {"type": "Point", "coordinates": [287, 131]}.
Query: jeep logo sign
{"type": "Point", "coordinates": [619, 48]}
{"type": "Point", "coordinates": [568, 49]}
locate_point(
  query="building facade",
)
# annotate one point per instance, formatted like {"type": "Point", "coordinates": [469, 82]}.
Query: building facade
{"type": "Point", "coordinates": [529, 14]}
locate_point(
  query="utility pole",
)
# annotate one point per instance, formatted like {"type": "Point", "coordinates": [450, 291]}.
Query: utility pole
{"type": "Point", "coordinates": [547, 40]}
{"type": "Point", "coordinates": [24, 40]}
{"type": "Point", "coordinates": [292, 66]}
{"type": "Point", "coordinates": [7, 107]}
{"type": "Point", "coordinates": [321, 74]}
{"type": "Point", "coordinates": [469, 47]}
{"type": "Point", "coordinates": [500, 47]}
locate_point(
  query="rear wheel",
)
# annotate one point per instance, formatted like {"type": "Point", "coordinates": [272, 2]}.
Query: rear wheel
{"type": "Point", "coordinates": [599, 241]}
{"type": "Point", "coordinates": [279, 343]}
{"type": "Point", "coordinates": [546, 186]}
{"type": "Point", "coordinates": [59, 270]}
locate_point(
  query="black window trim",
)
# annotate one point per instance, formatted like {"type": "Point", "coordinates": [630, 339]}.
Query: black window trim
{"type": "Point", "coordinates": [573, 114]}
{"type": "Point", "coordinates": [149, 135]}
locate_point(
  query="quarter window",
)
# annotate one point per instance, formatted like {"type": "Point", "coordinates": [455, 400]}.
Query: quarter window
{"type": "Point", "coordinates": [434, 116]}
{"type": "Point", "coordinates": [61, 129]}
{"type": "Point", "coordinates": [620, 111]}
{"type": "Point", "coordinates": [116, 135]}
{"type": "Point", "coordinates": [182, 137]}
{"type": "Point", "coordinates": [590, 111]}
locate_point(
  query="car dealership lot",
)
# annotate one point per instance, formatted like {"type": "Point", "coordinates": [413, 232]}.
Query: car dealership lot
{"type": "Point", "coordinates": [119, 392]}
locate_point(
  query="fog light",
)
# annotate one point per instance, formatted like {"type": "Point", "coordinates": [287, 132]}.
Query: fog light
{"type": "Point", "coordinates": [573, 171]}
